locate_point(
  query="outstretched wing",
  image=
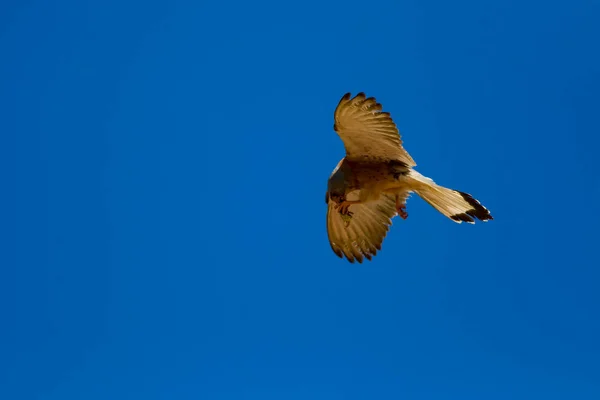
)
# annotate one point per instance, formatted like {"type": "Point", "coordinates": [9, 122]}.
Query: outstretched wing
{"type": "Point", "coordinates": [361, 235]}
{"type": "Point", "coordinates": [368, 133]}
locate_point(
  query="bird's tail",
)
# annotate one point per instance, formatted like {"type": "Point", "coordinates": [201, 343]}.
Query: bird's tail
{"type": "Point", "coordinates": [458, 206]}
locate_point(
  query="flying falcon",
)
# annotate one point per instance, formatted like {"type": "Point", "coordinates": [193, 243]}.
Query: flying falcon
{"type": "Point", "coordinates": [370, 185]}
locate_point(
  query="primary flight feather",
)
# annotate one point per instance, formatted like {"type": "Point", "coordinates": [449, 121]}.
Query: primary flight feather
{"type": "Point", "coordinates": [370, 185]}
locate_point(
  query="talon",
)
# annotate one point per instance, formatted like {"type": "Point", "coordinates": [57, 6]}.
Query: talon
{"type": "Point", "coordinates": [344, 208]}
{"type": "Point", "coordinates": [403, 214]}
{"type": "Point", "coordinates": [401, 210]}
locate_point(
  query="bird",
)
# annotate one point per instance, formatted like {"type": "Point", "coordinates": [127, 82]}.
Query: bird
{"type": "Point", "coordinates": [371, 184]}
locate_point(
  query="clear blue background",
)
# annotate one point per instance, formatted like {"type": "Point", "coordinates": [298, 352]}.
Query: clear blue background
{"type": "Point", "coordinates": [163, 226]}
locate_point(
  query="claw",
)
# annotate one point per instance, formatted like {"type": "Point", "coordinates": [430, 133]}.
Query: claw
{"type": "Point", "coordinates": [401, 209]}
{"type": "Point", "coordinates": [344, 207]}
{"type": "Point", "coordinates": [402, 212]}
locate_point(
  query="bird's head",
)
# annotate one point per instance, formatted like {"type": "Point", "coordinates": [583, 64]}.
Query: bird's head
{"type": "Point", "coordinates": [338, 182]}
{"type": "Point", "coordinates": [336, 197]}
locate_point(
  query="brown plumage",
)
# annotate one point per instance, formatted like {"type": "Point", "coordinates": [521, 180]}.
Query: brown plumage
{"type": "Point", "coordinates": [370, 185]}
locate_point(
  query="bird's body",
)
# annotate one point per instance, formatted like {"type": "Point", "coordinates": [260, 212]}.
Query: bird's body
{"type": "Point", "coordinates": [372, 178]}
{"type": "Point", "coordinates": [370, 185]}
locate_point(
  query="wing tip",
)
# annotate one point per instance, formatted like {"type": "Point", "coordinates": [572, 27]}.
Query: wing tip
{"type": "Point", "coordinates": [360, 96]}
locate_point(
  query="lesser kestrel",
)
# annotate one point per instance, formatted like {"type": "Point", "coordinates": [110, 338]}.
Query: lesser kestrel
{"type": "Point", "coordinates": [370, 185]}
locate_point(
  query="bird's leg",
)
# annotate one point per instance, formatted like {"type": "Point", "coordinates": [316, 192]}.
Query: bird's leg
{"type": "Point", "coordinates": [345, 205]}
{"type": "Point", "coordinates": [401, 208]}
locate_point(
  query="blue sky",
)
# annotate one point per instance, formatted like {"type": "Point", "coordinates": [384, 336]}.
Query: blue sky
{"type": "Point", "coordinates": [164, 167]}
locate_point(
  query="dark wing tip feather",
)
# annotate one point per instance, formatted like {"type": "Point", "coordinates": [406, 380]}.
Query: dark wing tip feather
{"type": "Point", "coordinates": [359, 98]}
